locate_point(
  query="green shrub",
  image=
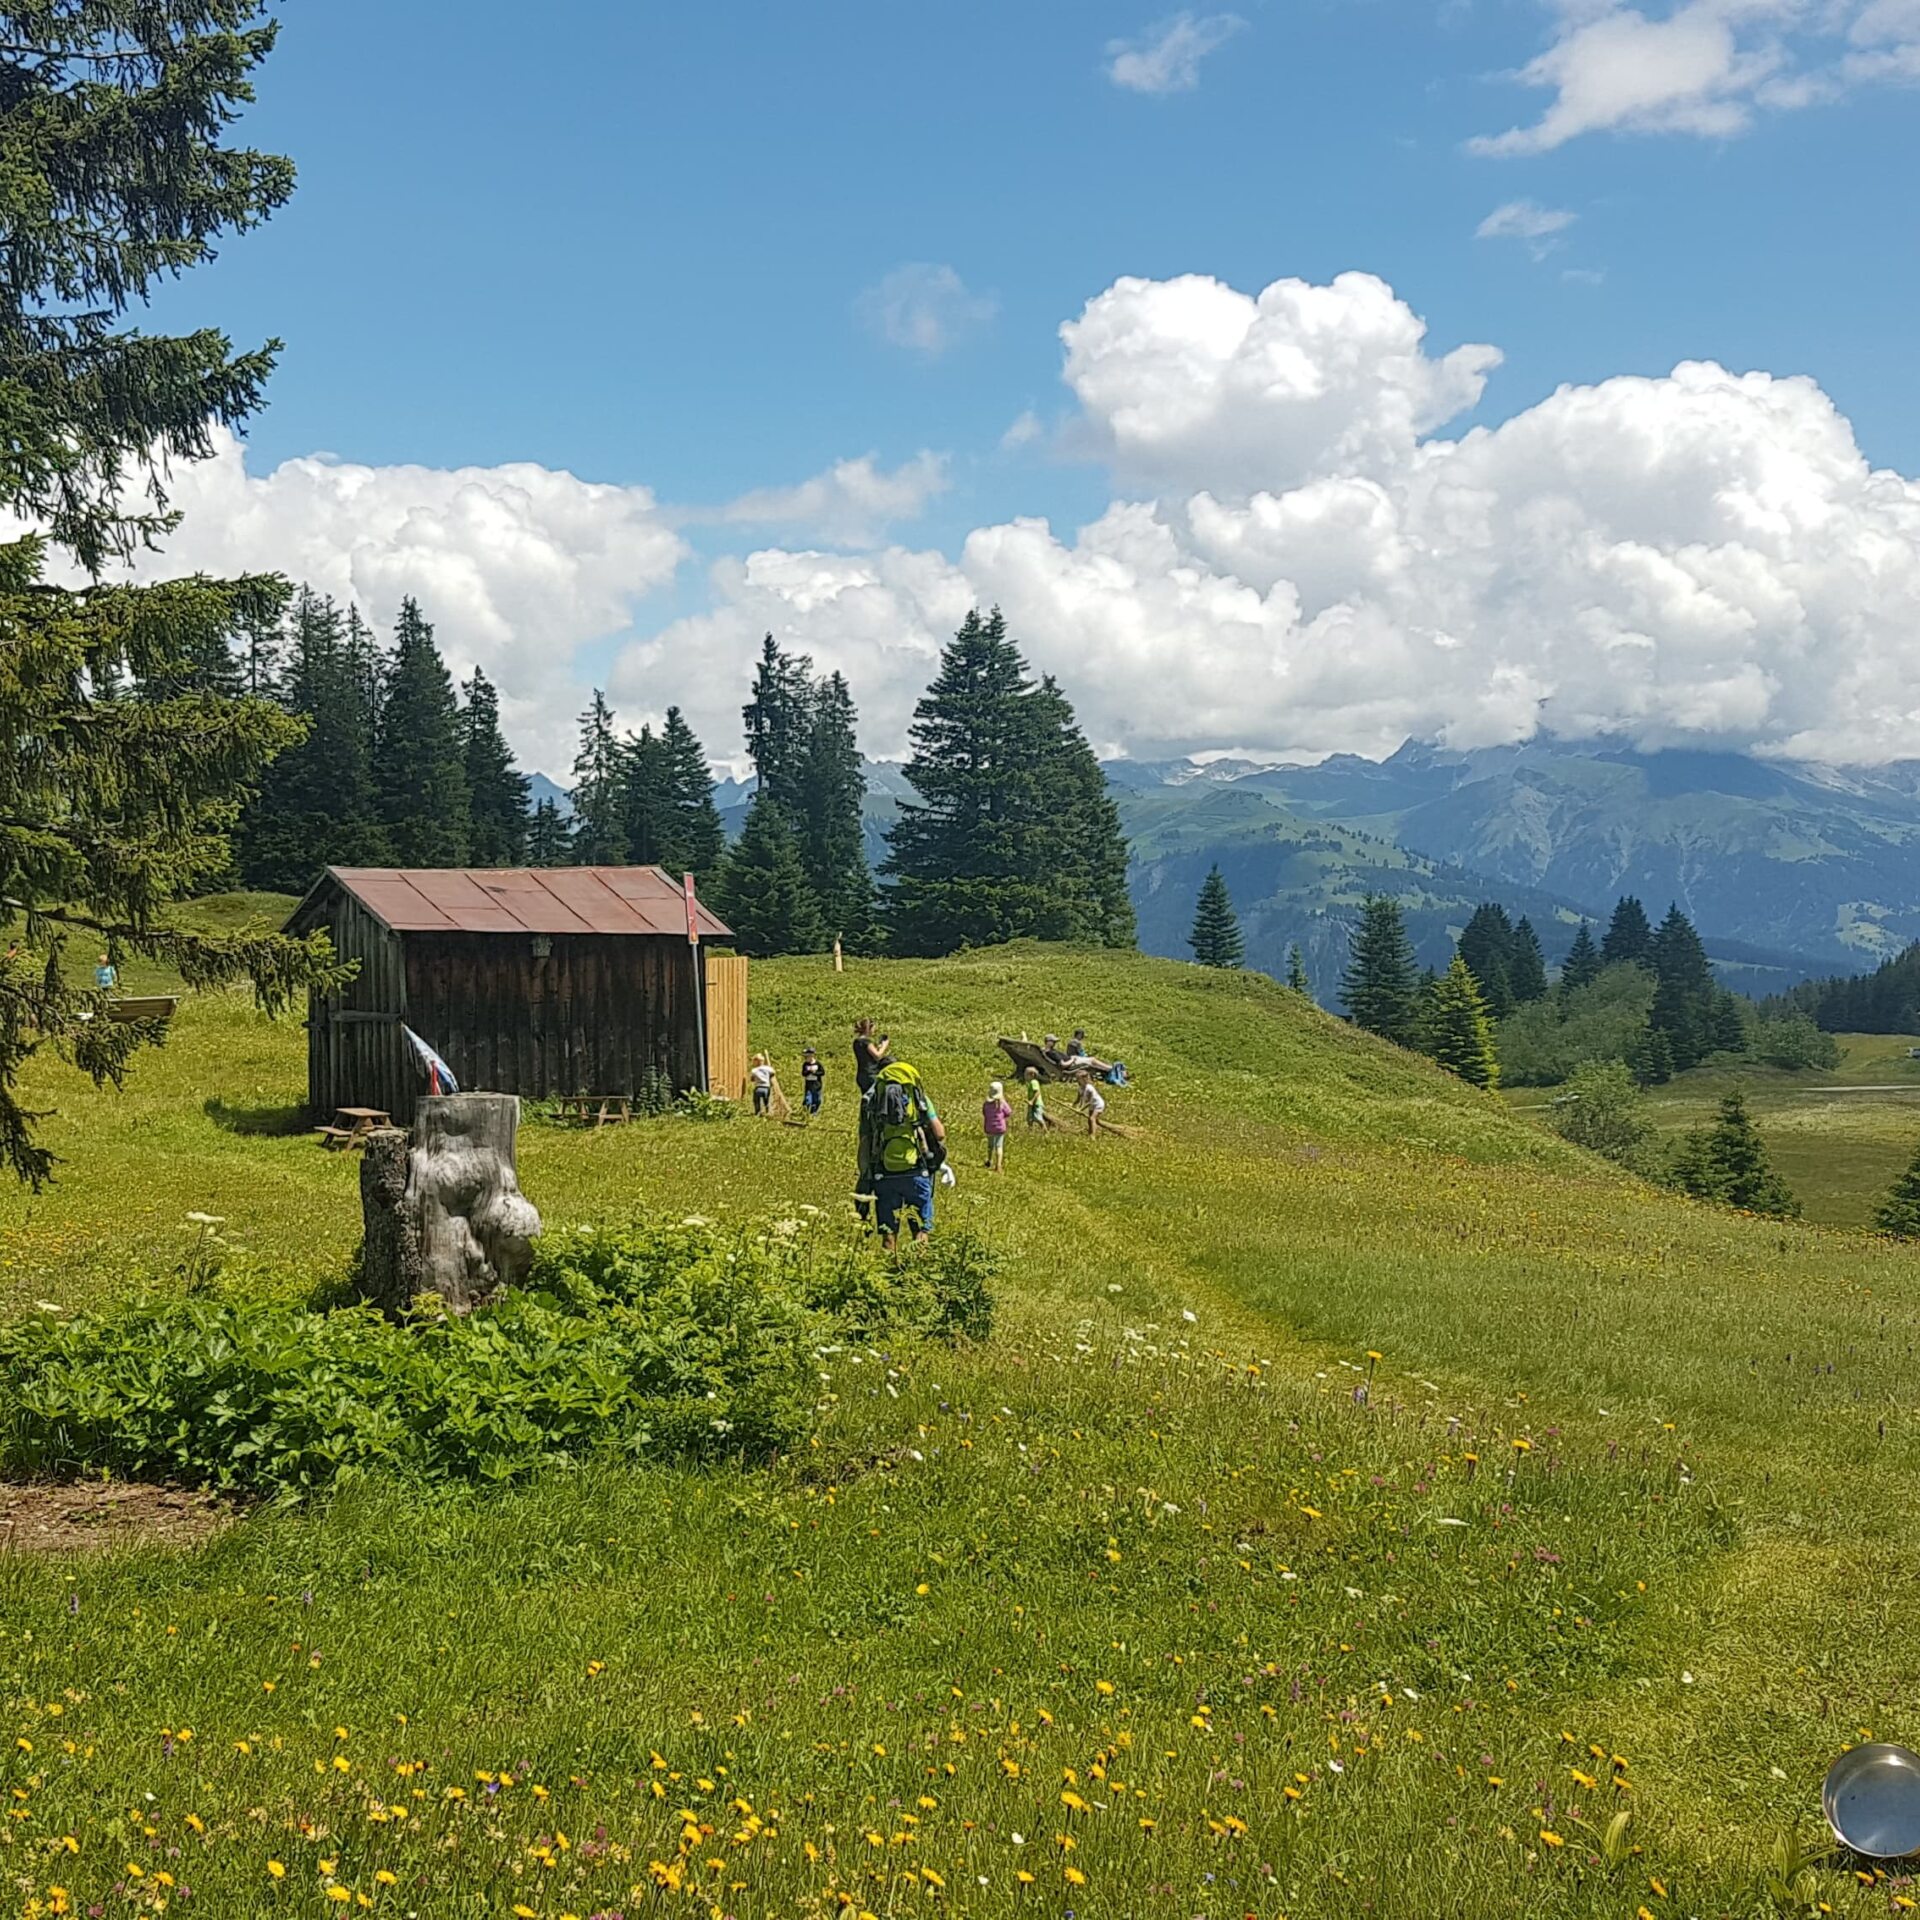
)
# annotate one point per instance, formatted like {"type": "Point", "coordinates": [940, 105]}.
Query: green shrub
{"type": "Point", "coordinates": [1602, 1109]}
{"type": "Point", "coordinates": [1543, 1042]}
{"type": "Point", "coordinates": [1795, 1043]}
{"type": "Point", "coordinates": [653, 1341]}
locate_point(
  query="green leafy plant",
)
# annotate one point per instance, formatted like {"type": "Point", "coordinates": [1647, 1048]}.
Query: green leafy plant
{"type": "Point", "coordinates": [653, 1341]}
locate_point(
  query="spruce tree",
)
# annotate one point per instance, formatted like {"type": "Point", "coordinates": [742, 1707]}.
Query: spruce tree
{"type": "Point", "coordinates": [549, 837]}
{"type": "Point", "coordinates": [1526, 964]}
{"type": "Point", "coordinates": [1297, 971]}
{"type": "Point", "coordinates": [1486, 945]}
{"type": "Point", "coordinates": [1728, 1163]}
{"type": "Point", "coordinates": [113, 122]}
{"type": "Point", "coordinates": [1899, 1212]}
{"type": "Point", "coordinates": [1651, 1058]}
{"type": "Point", "coordinates": [701, 839]}
{"type": "Point", "coordinates": [316, 806]}
{"type": "Point", "coordinates": [367, 669]}
{"type": "Point", "coordinates": [1684, 996]}
{"type": "Point", "coordinates": [1380, 986]}
{"type": "Point", "coordinates": [599, 835]}
{"type": "Point", "coordinates": [1629, 936]}
{"type": "Point", "coordinates": [1013, 834]}
{"type": "Point", "coordinates": [831, 825]}
{"type": "Point", "coordinates": [650, 833]}
{"type": "Point", "coordinates": [1456, 1029]}
{"type": "Point", "coordinates": [1581, 967]}
{"type": "Point", "coordinates": [1215, 938]}
{"type": "Point", "coordinates": [1088, 859]}
{"type": "Point", "coordinates": [420, 774]}
{"type": "Point", "coordinates": [778, 720]}
{"type": "Point", "coordinates": [1728, 1023]}
{"type": "Point", "coordinates": [762, 892]}
{"type": "Point", "coordinates": [496, 788]}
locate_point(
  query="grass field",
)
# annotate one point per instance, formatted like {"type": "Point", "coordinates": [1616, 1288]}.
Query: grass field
{"type": "Point", "coordinates": [1171, 1598]}
{"type": "Point", "coordinates": [1840, 1137]}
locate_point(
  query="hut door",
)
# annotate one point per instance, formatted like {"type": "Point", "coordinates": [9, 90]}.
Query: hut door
{"type": "Point", "coordinates": [727, 1025]}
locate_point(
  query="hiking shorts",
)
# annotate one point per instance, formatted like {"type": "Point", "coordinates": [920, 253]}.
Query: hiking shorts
{"type": "Point", "coordinates": [897, 1193]}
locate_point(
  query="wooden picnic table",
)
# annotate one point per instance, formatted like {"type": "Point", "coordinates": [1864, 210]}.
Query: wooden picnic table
{"type": "Point", "coordinates": [597, 1109]}
{"type": "Point", "coordinates": [351, 1125]}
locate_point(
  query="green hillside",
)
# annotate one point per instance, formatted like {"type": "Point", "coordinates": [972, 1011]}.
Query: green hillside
{"type": "Point", "coordinates": [1169, 1598]}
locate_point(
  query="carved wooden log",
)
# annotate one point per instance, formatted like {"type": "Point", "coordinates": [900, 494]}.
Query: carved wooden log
{"type": "Point", "coordinates": [443, 1209]}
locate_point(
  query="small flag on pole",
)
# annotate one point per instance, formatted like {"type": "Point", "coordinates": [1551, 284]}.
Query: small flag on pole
{"type": "Point", "coordinates": [439, 1075]}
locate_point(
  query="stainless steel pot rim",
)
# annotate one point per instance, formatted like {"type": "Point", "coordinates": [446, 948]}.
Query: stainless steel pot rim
{"type": "Point", "coordinates": [1871, 1798]}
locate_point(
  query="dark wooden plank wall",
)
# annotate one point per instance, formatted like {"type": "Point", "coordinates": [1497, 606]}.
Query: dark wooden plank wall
{"type": "Point", "coordinates": [592, 1016]}
{"type": "Point", "coordinates": [356, 1054]}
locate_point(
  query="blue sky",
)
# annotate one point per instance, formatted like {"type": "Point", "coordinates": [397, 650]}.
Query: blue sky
{"type": "Point", "coordinates": [648, 245]}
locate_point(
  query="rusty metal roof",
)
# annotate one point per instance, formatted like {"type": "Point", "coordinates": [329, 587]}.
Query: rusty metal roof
{"type": "Point", "coordinates": [641, 900]}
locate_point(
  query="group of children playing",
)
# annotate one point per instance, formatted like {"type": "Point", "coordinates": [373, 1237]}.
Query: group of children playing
{"type": "Point", "coordinates": [996, 1112]}
{"type": "Point", "coordinates": [996, 1115]}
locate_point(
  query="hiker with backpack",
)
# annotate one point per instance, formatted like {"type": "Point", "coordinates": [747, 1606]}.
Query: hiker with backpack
{"type": "Point", "coordinates": [903, 1146]}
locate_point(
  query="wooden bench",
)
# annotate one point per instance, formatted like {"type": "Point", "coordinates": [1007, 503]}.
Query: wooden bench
{"type": "Point", "coordinates": [153, 1006]}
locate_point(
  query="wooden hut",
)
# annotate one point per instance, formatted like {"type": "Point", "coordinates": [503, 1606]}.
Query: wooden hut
{"type": "Point", "coordinates": [570, 980]}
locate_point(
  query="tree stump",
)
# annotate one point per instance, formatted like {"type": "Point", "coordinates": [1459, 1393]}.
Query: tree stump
{"type": "Point", "coordinates": [443, 1210]}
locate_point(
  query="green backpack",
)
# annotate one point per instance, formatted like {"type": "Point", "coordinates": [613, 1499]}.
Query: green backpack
{"type": "Point", "coordinates": [896, 1110]}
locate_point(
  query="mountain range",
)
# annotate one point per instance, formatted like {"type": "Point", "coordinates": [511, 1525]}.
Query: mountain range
{"type": "Point", "coordinates": [1790, 862]}
{"type": "Point", "coordinates": [1789, 869]}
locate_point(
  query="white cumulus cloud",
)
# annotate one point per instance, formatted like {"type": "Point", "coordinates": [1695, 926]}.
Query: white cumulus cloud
{"type": "Point", "coordinates": [1705, 67]}
{"type": "Point", "coordinates": [1167, 58]}
{"type": "Point", "coordinates": [1306, 551]}
{"type": "Point", "coordinates": [851, 503]}
{"type": "Point", "coordinates": [923, 308]}
{"type": "Point", "coordinates": [1191, 381]}
{"type": "Point", "coordinates": [1703, 557]}
{"type": "Point", "coordinates": [518, 566]}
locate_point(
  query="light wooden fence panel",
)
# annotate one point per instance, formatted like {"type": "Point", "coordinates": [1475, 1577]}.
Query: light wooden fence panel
{"type": "Point", "coordinates": [727, 1025]}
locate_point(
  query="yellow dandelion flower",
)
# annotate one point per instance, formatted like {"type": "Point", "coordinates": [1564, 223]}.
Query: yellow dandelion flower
{"type": "Point", "coordinates": [278, 1868]}
{"type": "Point", "coordinates": [1551, 1839]}
{"type": "Point", "coordinates": [1075, 1878]}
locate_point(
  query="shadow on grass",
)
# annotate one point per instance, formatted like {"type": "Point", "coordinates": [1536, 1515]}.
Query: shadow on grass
{"type": "Point", "coordinates": [273, 1123]}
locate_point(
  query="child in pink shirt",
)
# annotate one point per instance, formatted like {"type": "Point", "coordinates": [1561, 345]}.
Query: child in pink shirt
{"type": "Point", "coordinates": [996, 1116]}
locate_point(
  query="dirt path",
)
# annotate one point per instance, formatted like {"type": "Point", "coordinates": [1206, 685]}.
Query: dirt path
{"type": "Point", "coordinates": [90, 1516]}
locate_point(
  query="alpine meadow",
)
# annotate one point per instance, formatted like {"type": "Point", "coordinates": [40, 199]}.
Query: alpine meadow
{"type": "Point", "coordinates": [862, 1060]}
